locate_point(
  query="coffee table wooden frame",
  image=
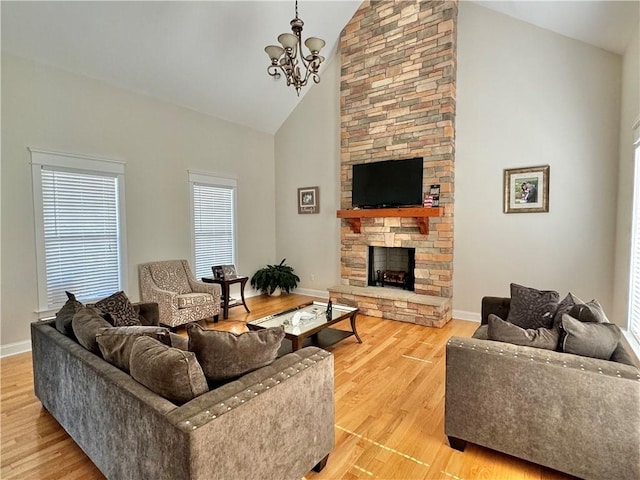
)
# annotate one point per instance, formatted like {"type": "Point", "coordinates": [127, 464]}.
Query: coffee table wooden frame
{"type": "Point", "coordinates": [320, 336]}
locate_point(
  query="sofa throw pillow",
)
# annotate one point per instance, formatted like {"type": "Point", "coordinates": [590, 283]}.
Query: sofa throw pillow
{"type": "Point", "coordinates": [501, 331]}
{"type": "Point", "coordinates": [481, 333]}
{"type": "Point", "coordinates": [225, 355]}
{"type": "Point", "coordinates": [66, 313]}
{"type": "Point", "coordinates": [178, 341]}
{"type": "Point", "coordinates": [120, 309]}
{"type": "Point", "coordinates": [170, 372]}
{"type": "Point", "coordinates": [531, 308]}
{"type": "Point", "coordinates": [116, 342]}
{"type": "Point", "coordinates": [589, 312]}
{"type": "Point", "coordinates": [565, 306]}
{"type": "Point", "coordinates": [86, 324]}
{"type": "Point", "coordinates": [589, 339]}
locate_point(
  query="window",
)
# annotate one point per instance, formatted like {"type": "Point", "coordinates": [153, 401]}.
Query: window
{"type": "Point", "coordinates": [79, 209]}
{"type": "Point", "coordinates": [213, 216]}
{"type": "Point", "coordinates": [634, 284]}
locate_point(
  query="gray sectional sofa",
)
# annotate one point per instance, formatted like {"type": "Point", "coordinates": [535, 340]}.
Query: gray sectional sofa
{"type": "Point", "coordinates": [571, 413]}
{"type": "Point", "coordinates": [273, 423]}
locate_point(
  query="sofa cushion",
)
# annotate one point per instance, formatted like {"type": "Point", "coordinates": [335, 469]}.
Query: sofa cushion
{"type": "Point", "coordinates": [188, 300]}
{"type": "Point", "coordinates": [589, 339]}
{"type": "Point", "coordinates": [589, 312]}
{"type": "Point", "coordinates": [66, 313]}
{"type": "Point", "coordinates": [120, 309]}
{"type": "Point", "coordinates": [226, 355]}
{"type": "Point", "coordinates": [532, 308]}
{"type": "Point", "coordinates": [86, 324]}
{"type": "Point", "coordinates": [170, 372]}
{"type": "Point", "coordinates": [501, 331]}
{"type": "Point", "coordinates": [115, 343]}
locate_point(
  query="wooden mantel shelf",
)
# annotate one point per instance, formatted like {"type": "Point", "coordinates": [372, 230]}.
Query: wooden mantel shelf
{"type": "Point", "coordinates": [354, 217]}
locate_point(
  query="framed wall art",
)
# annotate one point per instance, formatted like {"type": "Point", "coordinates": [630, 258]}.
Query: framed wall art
{"type": "Point", "coordinates": [309, 200]}
{"type": "Point", "coordinates": [526, 190]}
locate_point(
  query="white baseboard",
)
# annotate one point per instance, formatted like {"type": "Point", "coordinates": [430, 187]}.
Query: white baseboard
{"type": "Point", "coordinates": [462, 315]}
{"type": "Point", "coordinates": [15, 348]}
{"type": "Point", "coordinates": [302, 291]}
{"type": "Point", "coordinates": [312, 293]}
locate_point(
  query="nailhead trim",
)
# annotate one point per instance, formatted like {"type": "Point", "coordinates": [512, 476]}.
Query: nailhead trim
{"type": "Point", "coordinates": [202, 418]}
{"type": "Point", "coordinates": [573, 363]}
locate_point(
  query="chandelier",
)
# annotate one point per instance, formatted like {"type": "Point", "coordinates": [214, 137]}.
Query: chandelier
{"type": "Point", "coordinates": [285, 59]}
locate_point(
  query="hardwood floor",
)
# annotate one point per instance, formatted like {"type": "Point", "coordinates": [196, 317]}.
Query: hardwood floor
{"type": "Point", "coordinates": [389, 394]}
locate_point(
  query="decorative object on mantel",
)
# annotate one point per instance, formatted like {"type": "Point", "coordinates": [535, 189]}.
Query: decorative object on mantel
{"type": "Point", "coordinates": [309, 200]}
{"type": "Point", "coordinates": [272, 279]}
{"type": "Point", "coordinates": [354, 217]}
{"type": "Point", "coordinates": [285, 58]}
{"type": "Point", "coordinates": [526, 190]}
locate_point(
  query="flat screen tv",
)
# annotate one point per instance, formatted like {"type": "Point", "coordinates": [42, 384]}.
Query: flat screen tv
{"type": "Point", "coordinates": [391, 183]}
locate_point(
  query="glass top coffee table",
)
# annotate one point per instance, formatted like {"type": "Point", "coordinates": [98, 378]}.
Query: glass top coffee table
{"type": "Point", "coordinates": [308, 324]}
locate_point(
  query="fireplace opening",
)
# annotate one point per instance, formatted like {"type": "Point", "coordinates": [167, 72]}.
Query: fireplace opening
{"type": "Point", "coordinates": [392, 267]}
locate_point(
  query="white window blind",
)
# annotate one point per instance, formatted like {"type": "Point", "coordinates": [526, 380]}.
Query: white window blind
{"type": "Point", "coordinates": [634, 290]}
{"type": "Point", "coordinates": [213, 204]}
{"type": "Point", "coordinates": [78, 228]}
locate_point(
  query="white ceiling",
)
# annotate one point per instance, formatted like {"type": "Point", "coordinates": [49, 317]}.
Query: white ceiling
{"type": "Point", "coordinates": [607, 24]}
{"type": "Point", "coordinates": [208, 56]}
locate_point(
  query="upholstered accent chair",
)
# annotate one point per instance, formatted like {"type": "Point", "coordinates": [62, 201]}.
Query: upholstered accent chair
{"type": "Point", "coordinates": [180, 297]}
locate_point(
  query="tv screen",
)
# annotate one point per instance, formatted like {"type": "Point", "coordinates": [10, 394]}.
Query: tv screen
{"type": "Point", "coordinates": [392, 183]}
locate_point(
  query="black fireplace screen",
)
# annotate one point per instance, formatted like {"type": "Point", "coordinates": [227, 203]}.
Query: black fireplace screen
{"type": "Point", "coordinates": [392, 267]}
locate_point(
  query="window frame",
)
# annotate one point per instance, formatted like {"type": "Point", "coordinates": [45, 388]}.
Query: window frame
{"type": "Point", "coordinates": [212, 180]}
{"type": "Point", "coordinates": [77, 164]}
{"type": "Point", "coordinates": [634, 283]}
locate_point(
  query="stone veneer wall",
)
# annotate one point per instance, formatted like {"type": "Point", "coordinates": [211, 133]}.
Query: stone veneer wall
{"type": "Point", "coordinates": [398, 101]}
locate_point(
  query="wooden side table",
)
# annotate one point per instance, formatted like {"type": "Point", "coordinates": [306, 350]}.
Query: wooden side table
{"type": "Point", "coordinates": [225, 284]}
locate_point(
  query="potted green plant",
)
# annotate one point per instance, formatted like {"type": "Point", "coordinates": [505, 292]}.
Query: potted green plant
{"type": "Point", "coordinates": [274, 278]}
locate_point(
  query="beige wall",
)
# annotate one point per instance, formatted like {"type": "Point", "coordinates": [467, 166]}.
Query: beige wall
{"type": "Point", "coordinates": [307, 150]}
{"type": "Point", "coordinates": [526, 97]}
{"type": "Point", "coordinates": [51, 109]}
{"type": "Point", "coordinates": [629, 113]}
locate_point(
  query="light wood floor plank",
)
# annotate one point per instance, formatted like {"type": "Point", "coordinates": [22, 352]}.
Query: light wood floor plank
{"type": "Point", "coordinates": [389, 394]}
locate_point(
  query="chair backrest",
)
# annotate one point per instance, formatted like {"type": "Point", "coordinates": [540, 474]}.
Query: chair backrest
{"type": "Point", "coordinates": [170, 275]}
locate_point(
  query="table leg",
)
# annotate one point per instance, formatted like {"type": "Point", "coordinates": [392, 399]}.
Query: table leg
{"type": "Point", "coordinates": [353, 327]}
{"type": "Point", "coordinates": [225, 295]}
{"type": "Point", "coordinates": [242, 295]}
{"type": "Point", "coordinates": [295, 344]}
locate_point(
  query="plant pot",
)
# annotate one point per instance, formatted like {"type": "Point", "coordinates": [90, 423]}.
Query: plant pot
{"type": "Point", "coordinates": [276, 293]}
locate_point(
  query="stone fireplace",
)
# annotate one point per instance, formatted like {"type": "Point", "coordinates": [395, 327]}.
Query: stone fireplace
{"type": "Point", "coordinates": [398, 101]}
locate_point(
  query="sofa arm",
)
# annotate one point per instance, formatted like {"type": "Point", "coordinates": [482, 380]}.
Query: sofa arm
{"type": "Point", "coordinates": [574, 414]}
{"type": "Point", "coordinates": [279, 418]}
{"type": "Point", "coordinates": [497, 305]}
{"type": "Point", "coordinates": [149, 312]}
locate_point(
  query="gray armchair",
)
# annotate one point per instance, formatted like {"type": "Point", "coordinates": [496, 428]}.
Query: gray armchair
{"type": "Point", "coordinates": [180, 297]}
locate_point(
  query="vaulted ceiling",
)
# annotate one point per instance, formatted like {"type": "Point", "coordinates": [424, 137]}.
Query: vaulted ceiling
{"type": "Point", "coordinates": [208, 56]}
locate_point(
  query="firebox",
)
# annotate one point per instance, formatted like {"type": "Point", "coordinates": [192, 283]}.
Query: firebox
{"type": "Point", "coordinates": [392, 267]}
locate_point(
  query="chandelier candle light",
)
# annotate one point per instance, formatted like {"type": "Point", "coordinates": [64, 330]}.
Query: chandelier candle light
{"type": "Point", "coordinates": [285, 58]}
